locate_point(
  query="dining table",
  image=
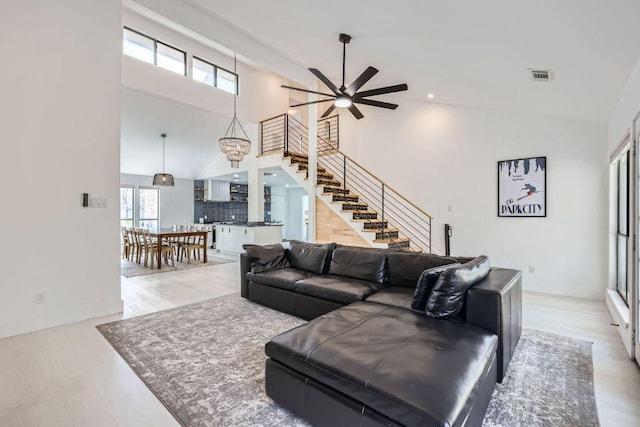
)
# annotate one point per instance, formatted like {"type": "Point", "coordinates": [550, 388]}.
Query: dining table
{"type": "Point", "coordinates": [166, 233]}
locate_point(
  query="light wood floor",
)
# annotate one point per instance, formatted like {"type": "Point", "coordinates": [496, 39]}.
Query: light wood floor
{"type": "Point", "coordinates": [70, 375]}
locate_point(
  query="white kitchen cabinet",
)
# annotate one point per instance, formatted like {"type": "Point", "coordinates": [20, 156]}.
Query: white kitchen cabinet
{"type": "Point", "coordinates": [230, 238]}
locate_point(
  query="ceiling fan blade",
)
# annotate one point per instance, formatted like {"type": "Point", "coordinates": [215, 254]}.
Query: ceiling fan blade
{"type": "Point", "coordinates": [374, 103]}
{"type": "Point", "coordinates": [361, 80]}
{"type": "Point", "coordinates": [309, 103]}
{"type": "Point", "coordinates": [329, 110]}
{"type": "Point", "coordinates": [325, 80]}
{"type": "Point", "coordinates": [381, 91]}
{"type": "Point", "coordinates": [306, 90]}
{"type": "Point", "coordinates": [356, 113]}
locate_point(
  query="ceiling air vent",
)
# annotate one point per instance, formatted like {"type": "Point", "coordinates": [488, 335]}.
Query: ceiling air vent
{"type": "Point", "coordinates": [541, 75]}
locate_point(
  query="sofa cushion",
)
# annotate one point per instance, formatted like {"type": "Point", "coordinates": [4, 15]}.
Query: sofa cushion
{"type": "Point", "coordinates": [308, 257]}
{"type": "Point", "coordinates": [448, 293]}
{"type": "Point", "coordinates": [410, 368]}
{"type": "Point", "coordinates": [266, 257]}
{"type": "Point", "coordinates": [282, 278]}
{"type": "Point", "coordinates": [329, 246]}
{"type": "Point", "coordinates": [343, 290]}
{"type": "Point", "coordinates": [406, 268]}
{"type": "Point", "coordinates": [359, 264]}
{"type": "Point", "coordinates": [425, 284]}
{"type": "Point", "coordinates": [395, 296]}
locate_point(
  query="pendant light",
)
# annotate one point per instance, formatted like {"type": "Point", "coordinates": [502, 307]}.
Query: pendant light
{"type": "Point", "coordinates": [233, 144]}
{"type": "Point", "coordinates": [163, 179]}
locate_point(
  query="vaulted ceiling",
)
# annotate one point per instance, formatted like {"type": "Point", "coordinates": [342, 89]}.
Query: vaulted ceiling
{"type": "Point", "coordinates": [468, 53]}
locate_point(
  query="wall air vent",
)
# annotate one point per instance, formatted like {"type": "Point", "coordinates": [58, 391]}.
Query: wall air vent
{"type": "Point", "coordinates": [540, 75]}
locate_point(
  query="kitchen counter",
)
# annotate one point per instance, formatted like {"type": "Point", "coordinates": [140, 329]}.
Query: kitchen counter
{"type": "Point", "coordinates": [231, 237]}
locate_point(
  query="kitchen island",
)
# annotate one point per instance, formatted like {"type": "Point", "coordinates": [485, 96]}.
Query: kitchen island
{"type": "Point", "coordinates": [231, 237]}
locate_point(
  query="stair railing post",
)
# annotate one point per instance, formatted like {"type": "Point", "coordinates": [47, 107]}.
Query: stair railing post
{"type": "Point", "coordinates": [382, 224]}
{"type": "Point", "coordinates": [286, 133]}
{"type": "Point", "coordinates": [261, 137]}
{"type": "Point", "coordinates": [344, 172]}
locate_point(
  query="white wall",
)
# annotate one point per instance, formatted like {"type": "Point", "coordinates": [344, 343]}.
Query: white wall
{"type": "Point", "coordinates": [176, 203]}
{"type": "Point", "coordinates": [294, 215]}
{"type": "Point", "coordinates": [60, 109]}
{"type": "Point", "coordinates": [626, 109]}
{"type": "Point", "coordinates": [280, 207]}
{"type": "Point", "coordinates": [440, 155]}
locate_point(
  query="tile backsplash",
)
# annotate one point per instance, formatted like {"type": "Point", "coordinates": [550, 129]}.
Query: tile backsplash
{"type": "Point", "coordinates": [221, 211]}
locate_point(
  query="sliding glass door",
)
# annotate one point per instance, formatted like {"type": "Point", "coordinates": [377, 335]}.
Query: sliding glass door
{"type": "Point", "coordinates": [622, 238]}
{"type": "Point", "coordinates": [633, 300]}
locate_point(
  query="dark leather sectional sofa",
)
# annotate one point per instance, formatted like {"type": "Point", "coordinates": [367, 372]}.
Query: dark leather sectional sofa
{"type": "Point", "coordinates": [369, 357]}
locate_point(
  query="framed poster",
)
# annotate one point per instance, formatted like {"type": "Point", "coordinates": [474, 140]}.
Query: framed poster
{"type": "Point", "coordinates": [522, 187]}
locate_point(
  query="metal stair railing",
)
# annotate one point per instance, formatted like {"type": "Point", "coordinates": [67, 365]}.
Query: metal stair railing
{"type": "Point", "coordinates": [285, 133]}
{"type": "Point", "coordinates": [392, 207]}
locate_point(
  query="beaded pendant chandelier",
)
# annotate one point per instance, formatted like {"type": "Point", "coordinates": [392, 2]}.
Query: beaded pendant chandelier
{"type": "Point", "coordinates": [235, 142]}
{"type": "Point", "coordinates": [163, 179]}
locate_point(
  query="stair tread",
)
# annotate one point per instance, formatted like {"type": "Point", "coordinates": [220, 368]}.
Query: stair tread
{"type": "Point", "coordinates": [359, 211]}
{"type": "Point", "coordinates": [377, 230]}
{"type": "Point", "coordinates": [392, 240]}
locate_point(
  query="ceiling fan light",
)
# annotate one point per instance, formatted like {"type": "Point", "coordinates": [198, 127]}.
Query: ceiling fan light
{"type": "Point", "coordinates": [343, 102]}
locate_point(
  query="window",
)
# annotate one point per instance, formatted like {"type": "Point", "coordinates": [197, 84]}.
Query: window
{"type": "Point", "coordinates": [126, 207]}
{"type": "Point", "coordinates": [623, 226]}
{"type": "Point", "coordinates": [212, 75]}
{"type": "Point", "coordinates": [226, 81]}
{"type": "Point", "coordinates": [138, 46]}
{"type": "Point", "coordinates": [149, 207]}
{"type": "Point", "coordinates": [170, 59]}
{"type": "Point", "coordinates": [203, 72]}
{"type": "Point", "coordinates": [154, 52]}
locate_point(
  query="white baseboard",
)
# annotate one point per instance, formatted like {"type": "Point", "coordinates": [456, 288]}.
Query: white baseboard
{"type": "Point", "coordinates": [565, 290]}
{"type": "Point", "coordinates": [26, 325]}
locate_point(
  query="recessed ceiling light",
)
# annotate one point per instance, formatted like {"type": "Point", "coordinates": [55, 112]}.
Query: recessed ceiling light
{"type": "Point", "coordinates": [286, 185]}
{"type": "Point", "coordinates": [235, 175]}
{"type": "Point", "coordinates": [430, 96]}
{"type": "Point", "coordinates": [264, 183]}
{"type": "Point", "coordinates": [274, 174]}
{"type": "Point", "coordinates": [236, 179]}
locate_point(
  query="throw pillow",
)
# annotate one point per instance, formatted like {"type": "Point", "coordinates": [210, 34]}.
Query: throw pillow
{"type": "Point", "coordinates": [405, 268]}
{"type": "Point", "coordinates": [425, 284]}
{"type": "Point", "coordinates": [447, 296]}
{"type": "Point", "coordinates": [329, 246]}
{"type": "Point", "coordinates": [308, 257]}
{"type": "Point", "coordinates": [266, 257]}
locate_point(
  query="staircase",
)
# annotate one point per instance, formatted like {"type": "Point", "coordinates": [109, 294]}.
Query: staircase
{"type": "Point", "coordinates": [378, 213]}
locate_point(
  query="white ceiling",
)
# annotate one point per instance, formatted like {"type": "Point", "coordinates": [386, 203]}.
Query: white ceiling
{"type": "Point", "coordinates": [472, 53]}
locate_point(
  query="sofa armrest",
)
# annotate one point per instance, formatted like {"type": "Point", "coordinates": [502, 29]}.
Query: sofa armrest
{"type": "Point", "coordinates": [245, 267]}
{"type": "Point", "coordinates": [495, 304]}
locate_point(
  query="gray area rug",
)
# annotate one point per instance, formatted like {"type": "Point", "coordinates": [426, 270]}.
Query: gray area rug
{"type": "Point", "coordinates": [205, 362]}
{"type": "Point", "coordinates": [133, 269]}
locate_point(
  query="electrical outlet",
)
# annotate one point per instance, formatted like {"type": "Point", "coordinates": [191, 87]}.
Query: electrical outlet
{"type": "Point", "coordinates": [532, 269]}
{"type": "Point", "coordinates": [93, 202]}
{"type": "Point", "coordinates": [40, 298]}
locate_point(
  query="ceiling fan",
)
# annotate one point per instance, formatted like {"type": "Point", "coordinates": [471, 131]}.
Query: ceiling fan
{"type": "Point", "coordinates": [347, 96]}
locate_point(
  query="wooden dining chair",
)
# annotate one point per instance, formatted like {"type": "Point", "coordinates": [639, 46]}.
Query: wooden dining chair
{"type": "Point", "coordinates": [152, 248]}
{"type": "Point", "coordinates": [141, 247]}
{"type": "Point", "coordinates": [197, 244]}
{"type": "Point", "coordinates": [127, 245]}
